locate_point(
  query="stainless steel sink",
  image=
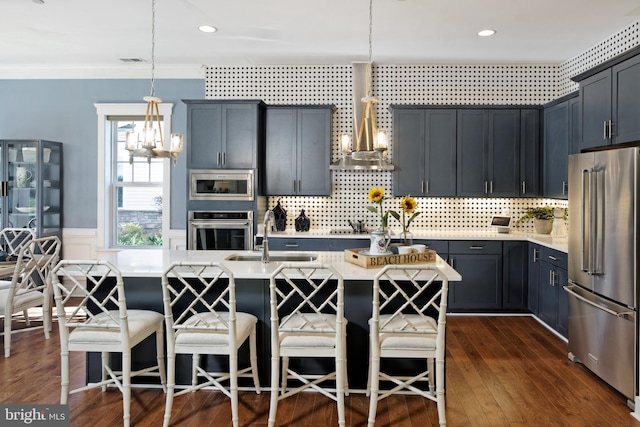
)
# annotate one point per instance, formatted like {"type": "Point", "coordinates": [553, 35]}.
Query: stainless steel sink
{"type": "Point", "coordinates": [274, 257]}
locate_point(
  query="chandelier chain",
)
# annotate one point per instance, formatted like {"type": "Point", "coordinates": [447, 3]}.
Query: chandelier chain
{"type": "Point", "coordinates": [370, 29]}
{"type": "Point", "coordinates": [153, 46]}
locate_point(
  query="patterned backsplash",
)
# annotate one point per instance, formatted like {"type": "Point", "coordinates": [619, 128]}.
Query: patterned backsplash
{"type": "Point", "coordinates": [407, 84]}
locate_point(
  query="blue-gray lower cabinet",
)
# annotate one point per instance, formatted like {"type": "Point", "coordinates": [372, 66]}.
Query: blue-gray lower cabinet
{"type": "Point", "coordinates": [552, 298]}
{"type": "Point", "coordinates": [514, 274]}
{"type": "Point", "coordinates": [480, 265]}
{"type": "Point", "coordinates": [337, 245]}
{"type": "Point", "coordinates": [533, 277]}
{"type": "Point", "coordinates": [440, 246]}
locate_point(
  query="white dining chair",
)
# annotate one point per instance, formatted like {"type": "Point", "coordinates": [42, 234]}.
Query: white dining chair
{"type": "Point", "coordinates": [201, 318]}
{"type": "Point", "coordinates": [11, 240]}
{"type": "Point", "coordinates": [408, 322]}
{"type": "Point", "coordinates": [30, 285]}
{"type": "Point", "coordinates": [307, 321]}
{"type": "Point", "coordinates": [93, 317]}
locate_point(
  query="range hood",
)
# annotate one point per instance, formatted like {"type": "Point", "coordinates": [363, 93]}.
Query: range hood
{"type": "Point", "coordinates": [364, 157]}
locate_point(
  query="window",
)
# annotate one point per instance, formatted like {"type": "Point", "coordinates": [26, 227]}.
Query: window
{"type": "Point", "coordinates": [136, 191]}
{"type": "Point", "coordinates": [133, 199]}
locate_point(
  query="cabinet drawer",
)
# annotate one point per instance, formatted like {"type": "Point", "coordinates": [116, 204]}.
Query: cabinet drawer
{"type": "Point", "coordinates": [342, 244]}
{"type": "Point", "coordinates": [284, 244]}
{"type": "Point", "coordinates": [440, 246]}
{"type": "Point", "coordinates": [554, 257]}
{"type": "Point", "coordinates": [475, 247]}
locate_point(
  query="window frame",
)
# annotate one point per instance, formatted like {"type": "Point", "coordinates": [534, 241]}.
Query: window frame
{"type": "Point", "coordinates": [105, 202]}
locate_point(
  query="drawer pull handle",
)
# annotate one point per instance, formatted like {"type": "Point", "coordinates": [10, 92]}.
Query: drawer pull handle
{"type": "Point", "coordinates": [553, 258]}
{"type": "Point", "coordinates": [291, 245]}
{"type": "Point", "coordinates": [476, 248]}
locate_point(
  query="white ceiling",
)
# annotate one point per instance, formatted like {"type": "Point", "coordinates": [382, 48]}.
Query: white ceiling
{"type": "Point", "coordinates": [90, 35]}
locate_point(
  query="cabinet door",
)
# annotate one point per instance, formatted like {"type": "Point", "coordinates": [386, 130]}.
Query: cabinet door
{"type": "Point", "coordinates": [471, 153]}
{"type": "Point", "coordinates": [314, 152]}
{"type": "Point", "coordinates": [514, 258]}
{"type": "Point", "coordinates": [239, 136]}
{"type": "Point", "coordinates": [555, 151]}
{"type": "Point", "coordinates": [533, 277]}
{"type": "Point", "coordinates": [626, 101]}
{"type": "Point", "coordinates": [409, 146]}
{"type": "Point", "coordinates": [548, 295]}
{"type": "Point", "coordinates": [481, 286]}
{"type": "Point", "coordinates": [595, 109]}
{"type": "Point", "coordinates": [574, 125]}
{"type": "Point", "coordinates": [425, 152]}
{"type": "Point", "coordinates": [280, 153]}
{"type": "Point", "coordinates": [204, 136]}
{"type": "Point", "coordinates": [529, 153]}
{"type": "Point", "coordinates": [503, 153]}
{"type": "Point", "coordinates": [440, 152]}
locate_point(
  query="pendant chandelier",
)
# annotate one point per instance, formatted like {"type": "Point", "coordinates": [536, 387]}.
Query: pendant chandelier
{"type": "Point", "coordinates": [149, 142]}
{"type": "Point", "coordinates": [371, 143]}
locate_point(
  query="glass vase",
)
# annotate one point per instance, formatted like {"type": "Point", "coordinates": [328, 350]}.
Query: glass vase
{"type": "Point", "coordinates": [406, 238]}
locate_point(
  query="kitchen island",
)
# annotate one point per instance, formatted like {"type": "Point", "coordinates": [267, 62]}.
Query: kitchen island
{"type": "Point", "coordinates": [142, 271]}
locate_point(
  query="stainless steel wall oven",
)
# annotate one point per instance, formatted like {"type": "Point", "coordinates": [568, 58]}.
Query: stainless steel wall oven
{"type": "Point", "coordinates": [220, 230]}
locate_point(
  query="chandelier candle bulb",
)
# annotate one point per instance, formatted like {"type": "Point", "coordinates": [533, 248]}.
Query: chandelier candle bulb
{"type": "Point", "coordinates": [381, 140]}
{"type": "Point", "coordinates": [345, 142]}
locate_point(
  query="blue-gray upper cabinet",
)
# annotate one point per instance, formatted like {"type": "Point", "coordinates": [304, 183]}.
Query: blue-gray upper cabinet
{"type": "Point", "coordinates": [298, 151]}
{"type": "Point", "coordinates": [610, 102]}
{"type": "Point", "coordinates": [424, 151]}
{"type": "Point", "coordinates": [488, 153]}
{"type": "Point", "coordinates": [557, 134]}
{"type": "Point", "coordinates": [529, 153]}
{"type": "Point", "coordinates": [574, 125]}
{"type": "Point", "coordinates": [223, 134]}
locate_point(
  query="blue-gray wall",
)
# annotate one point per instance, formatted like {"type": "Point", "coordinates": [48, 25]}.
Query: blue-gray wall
{"type": "Point", "coordinates": [63, 110]}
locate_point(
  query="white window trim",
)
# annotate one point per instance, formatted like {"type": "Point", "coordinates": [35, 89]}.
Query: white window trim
{"type": "Point", "coordinates": [104, 160]}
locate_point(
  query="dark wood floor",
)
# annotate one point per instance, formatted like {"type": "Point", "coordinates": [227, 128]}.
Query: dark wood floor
{"type": "Point", "coordinates": [501, 371]}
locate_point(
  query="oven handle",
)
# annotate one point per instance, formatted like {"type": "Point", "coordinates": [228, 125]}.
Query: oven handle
{"type": "Point", "coordinates": [618, 314]}
{"type": "Point", "coordinates": [220, 223]}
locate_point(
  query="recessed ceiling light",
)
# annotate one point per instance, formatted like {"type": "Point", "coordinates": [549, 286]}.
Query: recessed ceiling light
{"type": "Point", "coordinates": [486, 33]}
{"type": "Point", "coordinates": [207, 29]}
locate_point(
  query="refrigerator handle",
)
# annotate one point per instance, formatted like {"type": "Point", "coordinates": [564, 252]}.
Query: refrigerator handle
{"type": "Point", "coordinates": [598, 223]}
{"type": "Point", "coordinates": [584, 249]}
{"type": "Point", "coordinates": [618, 314]}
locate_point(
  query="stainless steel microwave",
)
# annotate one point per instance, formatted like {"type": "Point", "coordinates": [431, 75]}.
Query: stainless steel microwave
{"type": "Point", "coordinates": [221, 184]}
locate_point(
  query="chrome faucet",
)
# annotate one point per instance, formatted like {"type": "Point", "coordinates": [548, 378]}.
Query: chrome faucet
{"type": "Point", "coordinates": [269, 219]}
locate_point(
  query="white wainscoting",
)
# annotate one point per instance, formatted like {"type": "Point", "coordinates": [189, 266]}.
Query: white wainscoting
{"type": "Point", "coordinates": [82, 243]}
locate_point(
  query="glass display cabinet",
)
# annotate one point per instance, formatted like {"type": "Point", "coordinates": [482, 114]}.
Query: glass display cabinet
{"type": "Point", "coordinates": [31, 186]}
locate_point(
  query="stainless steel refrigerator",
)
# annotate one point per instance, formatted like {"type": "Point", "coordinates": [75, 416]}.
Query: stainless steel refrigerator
{"type": "Point", "coordinates": [603, 255]}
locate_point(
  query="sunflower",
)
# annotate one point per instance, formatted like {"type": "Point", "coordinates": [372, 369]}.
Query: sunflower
{"type": "Point", "coordinates": [376, 195]}
{"type": "Point", "coordinates": [409, 206]}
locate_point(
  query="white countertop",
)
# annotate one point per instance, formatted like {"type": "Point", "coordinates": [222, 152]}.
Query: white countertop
{"type": "Point", "coordinates": [153, 262]}
{"type": "Point", "coordinates": [558, 243]}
